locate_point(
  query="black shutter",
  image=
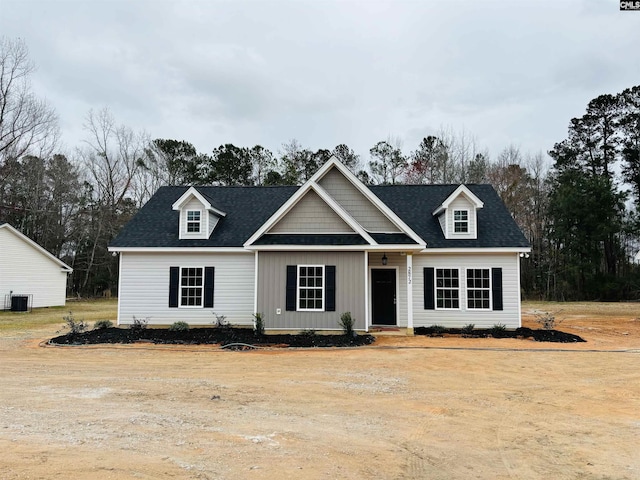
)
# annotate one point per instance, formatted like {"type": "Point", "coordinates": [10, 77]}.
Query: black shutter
{"type": "Point", "coordinates": [496, 284]}
{"type": "Point", "coordinates": [174, 279]}
{"type": "Point", "coordinates": [292, 280]}
{"type": "Point", "coordinates": [330, 288]}
{"type": "Point", "coordinates": [209, 280]}
{"type": "Point", "coordinates": [429, 291]}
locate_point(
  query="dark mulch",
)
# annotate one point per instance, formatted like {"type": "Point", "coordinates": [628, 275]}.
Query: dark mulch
{"type": "Point", "coordinates": [522, 332]}
{"type": "Point", "coordinates": [212, 335]}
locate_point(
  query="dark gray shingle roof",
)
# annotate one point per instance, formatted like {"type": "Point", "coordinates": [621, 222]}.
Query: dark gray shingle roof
{"type": "Point", "coordinates": [247, 208]}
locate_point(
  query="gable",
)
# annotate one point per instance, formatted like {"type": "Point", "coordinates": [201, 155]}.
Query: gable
{"type": "Point", "coordinates": [14, 245]}
{"type": "Point", "coordinates": [311, 215]}
{"type": "Point", "coordinates": [355, 203]}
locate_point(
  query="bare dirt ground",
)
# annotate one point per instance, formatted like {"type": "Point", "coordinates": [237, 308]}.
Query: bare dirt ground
{"type": "Point", "coordinates": [408, 408]}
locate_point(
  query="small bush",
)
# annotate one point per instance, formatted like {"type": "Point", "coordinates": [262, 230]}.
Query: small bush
{"type": "Point", "coordinates": [220, 321]}
{"type": "Point", "coordinates": [258, 326]}
{"type": "Point", "coordinates": [547, 320]}
{"type": "Point", "coordinates": [74, 326]}
{"type": "Point", "coordinates": [498, 330]}
{"type": "Point", "coordinates": [179, 327]}
{"type": "Point", "coordinates": [310, 332]}
{"type": "Point", "coordinates": [346, 323]}
{"type": "Point", "coordinates": [468, 329]}
{"type": "Point", "coordinates": [102, 324]}
{"type": "Point", "coordinates": [139, 324]}
{"type": "Point", "coordinates": [437, 329]}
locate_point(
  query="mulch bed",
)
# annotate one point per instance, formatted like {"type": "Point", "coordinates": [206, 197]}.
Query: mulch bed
{"type": "Point", "coordinates": [539, 335]}
{"type": "Point", "coordinates": [208, 336]}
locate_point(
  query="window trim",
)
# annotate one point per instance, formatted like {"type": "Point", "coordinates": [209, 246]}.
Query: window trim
{"type": "Point", "coordinates": [436, 288]}
{"type": "Point", "coordinates": [465, 222]}
{"type": "Point", "coordinates": [299, 288]}
{"type": "Point", "coordinates": [180, 287]}
{"type": "Point", "coordinates": [198, 222]}
{"type": "Point", "coordinates": [490, 289]}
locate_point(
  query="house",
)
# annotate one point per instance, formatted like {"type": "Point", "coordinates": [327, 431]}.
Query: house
{"type": "Point", "coordinates": [401, 255]}
{"type": "Point", "coordinates": [28, 270]}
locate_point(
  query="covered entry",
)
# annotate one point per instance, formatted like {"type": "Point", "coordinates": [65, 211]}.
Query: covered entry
{"type": "Point", "coordinates": [383, 296]}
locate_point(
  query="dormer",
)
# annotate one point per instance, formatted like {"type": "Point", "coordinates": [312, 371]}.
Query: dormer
{"type": "Point", "coordinates": [198, 217]}
{"type": "Point", "coordinates": [458, 214]}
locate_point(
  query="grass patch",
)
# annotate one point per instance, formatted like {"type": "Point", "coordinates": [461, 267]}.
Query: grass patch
{"type": "Point", "coordinates": [89, 310]}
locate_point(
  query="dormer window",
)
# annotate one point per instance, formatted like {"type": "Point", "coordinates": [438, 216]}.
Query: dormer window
{"type": "Point", "coordinates": [461, 221]}
{"type": "Point", "coordinates": [193, 221]}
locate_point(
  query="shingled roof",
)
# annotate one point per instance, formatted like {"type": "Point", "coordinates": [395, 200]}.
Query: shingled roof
{"type": "Point", "coordinates": [247, 208]}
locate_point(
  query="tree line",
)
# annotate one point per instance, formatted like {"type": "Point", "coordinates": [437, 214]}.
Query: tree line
{"type": "Point", "coordinates": [578, 206]}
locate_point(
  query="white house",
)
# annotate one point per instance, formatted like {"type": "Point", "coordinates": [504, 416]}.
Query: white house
{"type": "Point", "coordinates": [27, 269]}
{"type": "Point", "coordinates": [397, 255]}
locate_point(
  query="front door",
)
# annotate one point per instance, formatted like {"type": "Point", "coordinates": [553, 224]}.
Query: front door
{"type": "Point", "coordinates": [383, 296]}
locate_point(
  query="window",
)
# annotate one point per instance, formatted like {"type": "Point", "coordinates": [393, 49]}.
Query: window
{"type": "Point", "coordinates": [447, 288]}
{"type": "Point", "coordinates": [478, 288]}
{"type": "Point", "coordinates": [193, 221]}
{"type": "Point", "coordinates": [191, 287]}
{"type": "Point", "coordinates": [311, 287]}
{"type": "Point", "coordinates": [461, 221]}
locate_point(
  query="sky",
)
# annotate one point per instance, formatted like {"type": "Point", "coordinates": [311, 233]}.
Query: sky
{"type": "Point", "coordinates": [503, 72]}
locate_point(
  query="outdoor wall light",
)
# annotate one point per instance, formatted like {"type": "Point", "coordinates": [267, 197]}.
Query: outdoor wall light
{"type": "Point", "coordinates": [384, 259]}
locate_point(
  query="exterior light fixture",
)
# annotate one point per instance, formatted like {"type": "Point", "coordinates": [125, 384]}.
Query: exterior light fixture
{"type": "Point", "coordinates": [384, 259]}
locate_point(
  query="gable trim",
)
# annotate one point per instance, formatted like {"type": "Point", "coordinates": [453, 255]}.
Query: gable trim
{"type": "Point", "coordinates": [66, 268]}
{"type": "Point", "coordinates": [461, 190]}
{"type": "Point", "coordinates": [362, 188]}
{"type": "Point", "coordinates": [193, 192]}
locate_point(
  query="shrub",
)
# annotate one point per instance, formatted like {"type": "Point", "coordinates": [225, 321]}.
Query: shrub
{"type": "Point", "coordinates": [310, 332]}
{"type": "Point", "coordinates": [220, 321]}
{"type": "Point", "coordinates": [258, 326]}
{"type": "Point", "coordinates": [346, 323]}
{"type": "Point", "coordinates": [437, 329]}
{"type": "Point", "coordinates": [498, 329]}
{"type": "Point", "coordinates": [139, 324]}
{"type": "Point", "coordinates": [468, 329]}
{"type": "Point", "coordinates": [179, 327]}
{"type": "Point", "coordinates": [547, 320]}
{"type": "Point", "coordinates": [74, 326]}
{"type": "Point", "coordinates": [102, 324]}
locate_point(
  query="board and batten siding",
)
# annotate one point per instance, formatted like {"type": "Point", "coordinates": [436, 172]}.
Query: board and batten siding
{"type": "Point", "coordinates": [144, 287]}
{"type": "Point", "coordinates": [354, 202]}
{"type": "Point", "coordinates": [509, 316]}
{"type": "Point", "coordinates": [311, 215]}
{"type": "Point", "coordinates": [24, 270]}
{"type": "Point", "coordinates": [272, 278]}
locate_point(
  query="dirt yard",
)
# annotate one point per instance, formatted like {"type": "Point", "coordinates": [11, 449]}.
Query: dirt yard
{"type": "Point", "coordinates": [406, 408]}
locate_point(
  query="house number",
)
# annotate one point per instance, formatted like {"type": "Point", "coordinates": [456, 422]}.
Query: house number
{"type": "Point", "coordinates": [409, 275]}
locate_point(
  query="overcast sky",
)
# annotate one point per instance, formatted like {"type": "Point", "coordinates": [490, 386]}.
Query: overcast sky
{"type": "Point", "coordinates": [328, 72]}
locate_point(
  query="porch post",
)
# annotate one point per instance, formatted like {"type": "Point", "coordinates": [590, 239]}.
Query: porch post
{"type": "Point", "coordinates": [366, 291]}
{"type": "Point", "coordinates": [409, 294]}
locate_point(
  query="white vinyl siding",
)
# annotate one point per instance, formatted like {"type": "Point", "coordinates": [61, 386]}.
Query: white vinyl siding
{"type": "Point", "coordinates": [509, 316]}
{"type": "Point", "coordinates": [144, 287]}
{"type": "Point", "coordinates": [354, 202]}
{"type": "Point", "coordinates": [311, 215]}
{"type": "Point", "coordinates": [24, 270]}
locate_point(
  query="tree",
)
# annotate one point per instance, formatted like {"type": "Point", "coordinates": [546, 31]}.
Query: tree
{"type": "Point", "coordinates": [347, 157]}
{"type": "Point", "coordinates": [298, 164]}
{"type": "Point", "coordinates": [387, 163]}
{"type": "Point", "coordinates": [231, 165]}
{"type": "Point", "coordinates": [27, 124]}
{"type": "Point", "coordinates": [263, 163]}
{"type": "Point", "coordinates": [427, 161]}
{"type": "Point", "coordinates": [173, 162]}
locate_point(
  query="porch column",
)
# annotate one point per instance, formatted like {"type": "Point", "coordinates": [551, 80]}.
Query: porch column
{"type": "Point", "coordinates": [409, 294]}
{"type": "Point", "coordinates": [366, 291]}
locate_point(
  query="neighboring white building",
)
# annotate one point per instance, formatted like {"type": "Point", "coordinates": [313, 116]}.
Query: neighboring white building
{"type": "Point", "coordinates": [27, 269]}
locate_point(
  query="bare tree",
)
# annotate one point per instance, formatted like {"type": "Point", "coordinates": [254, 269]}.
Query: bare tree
{"type": "Point", "coordinates": [27, 124]}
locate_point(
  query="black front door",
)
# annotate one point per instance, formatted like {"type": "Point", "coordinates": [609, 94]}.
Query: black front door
{"type": "Point", "coordinates": [383, 296]}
